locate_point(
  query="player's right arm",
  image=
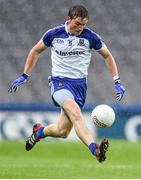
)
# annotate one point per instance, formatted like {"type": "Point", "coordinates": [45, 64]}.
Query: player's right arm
{"type": "Point", "coordinates": [33, 56]}
{"type": "Point", "coordinates": [31, 61]}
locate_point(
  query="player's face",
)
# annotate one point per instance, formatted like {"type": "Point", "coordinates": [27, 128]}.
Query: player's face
{"type": "Point", "coordinates": [76, 25]}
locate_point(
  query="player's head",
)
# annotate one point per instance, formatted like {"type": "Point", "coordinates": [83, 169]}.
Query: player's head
{"type": "Point", "coordinates": [77, 19]}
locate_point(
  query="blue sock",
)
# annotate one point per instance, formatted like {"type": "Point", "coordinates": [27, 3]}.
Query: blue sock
{"type": "Point", "coordinates": [92, 148]}
{"type": "Point", "coordinates": [40, 133]}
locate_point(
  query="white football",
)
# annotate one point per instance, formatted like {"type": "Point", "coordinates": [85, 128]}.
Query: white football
{"type": "Point", "coordinates": [103, 116]}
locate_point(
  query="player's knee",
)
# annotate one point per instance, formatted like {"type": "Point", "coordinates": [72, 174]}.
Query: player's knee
{"type": "Point", "coordinates": [64, 133]}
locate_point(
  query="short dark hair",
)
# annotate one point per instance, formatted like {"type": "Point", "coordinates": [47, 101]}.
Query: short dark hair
{"type": "Point", "coordinates": [78, 11]}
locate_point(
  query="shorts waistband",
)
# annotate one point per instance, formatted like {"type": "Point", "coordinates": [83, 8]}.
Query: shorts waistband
{"type": "Point", "coordinates": [77, 80]}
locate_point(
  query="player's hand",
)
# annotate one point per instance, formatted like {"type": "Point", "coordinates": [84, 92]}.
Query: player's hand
{"type": "Point", "coordinates": [119, 88]}
{"type": "Point", "coordinates": [17, 82]}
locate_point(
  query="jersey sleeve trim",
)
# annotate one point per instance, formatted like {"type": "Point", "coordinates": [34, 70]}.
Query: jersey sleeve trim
{"type": "Point", "coordinates": [47, 38]}
{"type": "Point", "coordinates": [95, 40]}
{"type": "Point", "coordinates": [51, 34]}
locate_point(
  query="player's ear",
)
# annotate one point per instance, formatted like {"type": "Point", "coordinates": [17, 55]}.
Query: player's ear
{"type": "Point", "coordinates": [68, 18]}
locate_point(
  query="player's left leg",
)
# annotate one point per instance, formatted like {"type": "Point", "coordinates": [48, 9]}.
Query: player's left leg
{"type": "Point", "coordinates": [33, 139]}
{"type": "Point", "coordinates": [61, 129]}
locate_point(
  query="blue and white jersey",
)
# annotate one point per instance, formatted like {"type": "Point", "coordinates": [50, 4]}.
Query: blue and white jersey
{"type": "Point", "coordinates": [71, 54]}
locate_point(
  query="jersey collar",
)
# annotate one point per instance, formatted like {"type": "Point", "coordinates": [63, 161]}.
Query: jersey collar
{"type": "Point", "coordinates": [66, 28]}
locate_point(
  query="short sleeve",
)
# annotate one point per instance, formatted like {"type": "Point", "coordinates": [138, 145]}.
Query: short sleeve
{"type": "Point", "coordinates": [96, 41]}
{"type": "Point", "coordinates": [48, 38]}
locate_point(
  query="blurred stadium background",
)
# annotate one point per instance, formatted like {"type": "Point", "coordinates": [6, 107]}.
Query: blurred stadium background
{"type": "Point", "coordinates": [22, 24]}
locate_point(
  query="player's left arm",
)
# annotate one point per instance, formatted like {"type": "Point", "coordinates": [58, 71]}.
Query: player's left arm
{"type": "Point", "coordinates": [109, 60]}
{"type": "Point", "coordinates": [112, 66]}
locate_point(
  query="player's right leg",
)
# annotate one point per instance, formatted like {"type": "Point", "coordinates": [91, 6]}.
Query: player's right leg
{"type": "Point", "coordinates": [74, 113]}
{"type": "Point", "coordinates": [99, 150]}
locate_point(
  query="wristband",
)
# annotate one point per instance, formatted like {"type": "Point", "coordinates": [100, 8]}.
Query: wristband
{"type": "Point", "coordinates": [25, 75]}
{"type": "Point", "coordinates": [116, 79]}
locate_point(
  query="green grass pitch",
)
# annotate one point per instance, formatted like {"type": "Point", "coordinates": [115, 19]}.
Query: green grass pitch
{"type": "Point", "coordinates": [62, 160]}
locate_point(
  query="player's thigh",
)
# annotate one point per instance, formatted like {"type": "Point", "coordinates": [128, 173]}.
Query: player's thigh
{"type": "Point", "coordinates": [61, 95]}
{"type": "Point", "coordinates": [64, 123]}
{"type": "Point", "coordinates": [72, 110]}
